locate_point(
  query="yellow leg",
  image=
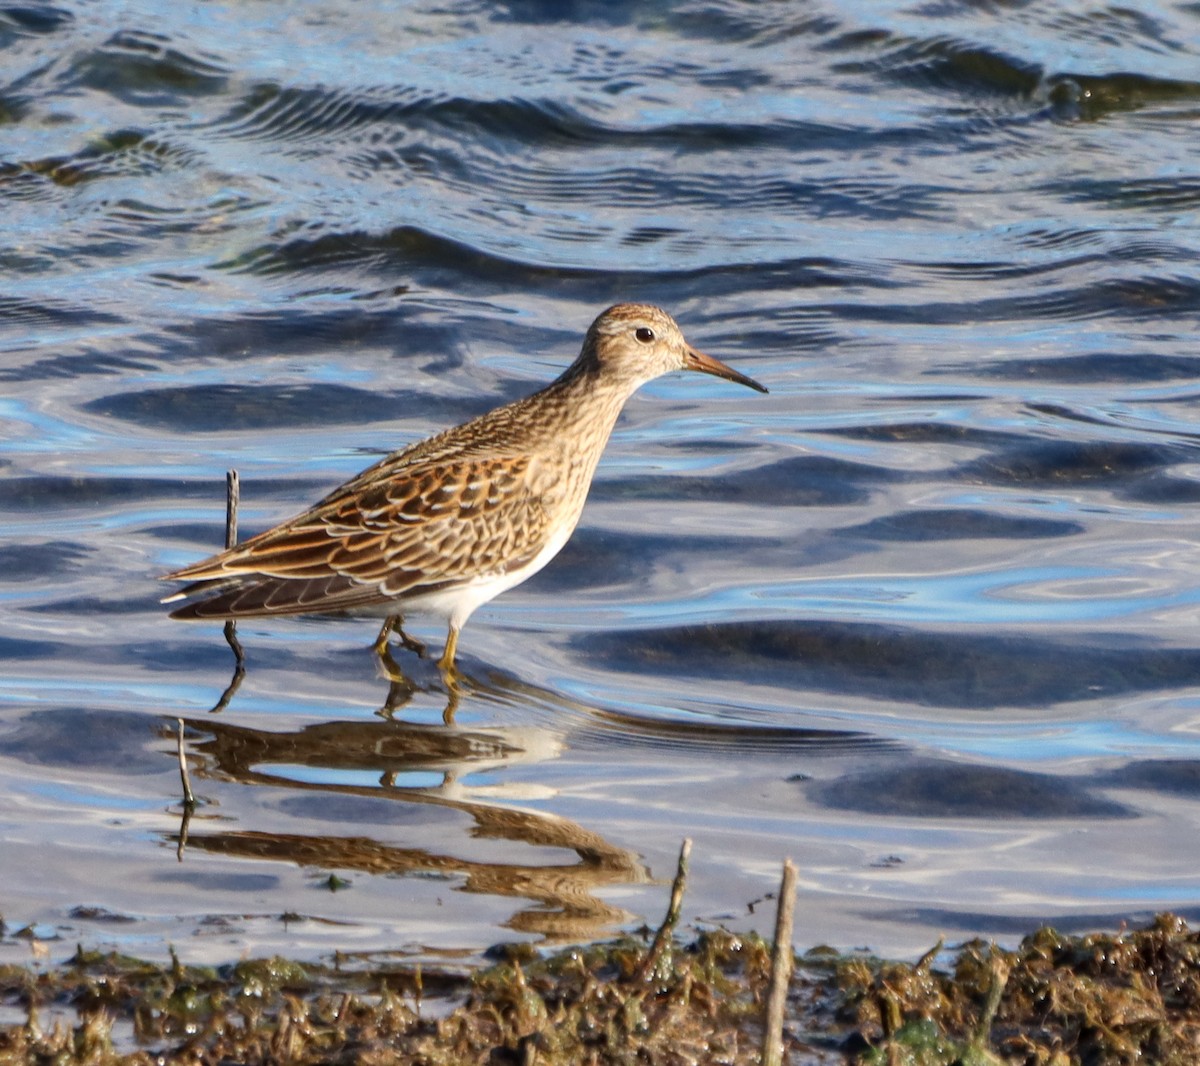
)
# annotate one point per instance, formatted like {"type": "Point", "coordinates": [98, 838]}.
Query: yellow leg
{"type": "Point", "coordinates": [381, 641]}
{"type": "Point", "coordinates": [446, 662]}
{"type": "Point", "coordinates": [450, 675]}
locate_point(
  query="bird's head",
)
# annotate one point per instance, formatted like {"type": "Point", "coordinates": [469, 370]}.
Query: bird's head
{"type": "Point", "coordinates": [639, 342]}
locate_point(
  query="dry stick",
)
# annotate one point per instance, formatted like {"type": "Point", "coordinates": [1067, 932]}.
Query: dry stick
{"type": "Point", "coordinates": [669, 922]}
{"type": "Point", "coordinates": [189, 800]}
{"type": "Point", "coordinates": [232, 498]}
{"type": "Point", "coordinates": [781, 968]}
{"type": "Point", "coordinates": [233, 495]}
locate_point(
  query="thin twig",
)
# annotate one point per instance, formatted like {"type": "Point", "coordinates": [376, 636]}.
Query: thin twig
{"type": "Point", "coordinates": [665, 931]}
{"type": "Point", "coordinates": [781, 967]}
{"type": "Point", "coordinates": [184, 822]}
{"type": "Point", "coordinates": [233, 495]}
{"type": "Point", "coordinates": [189, 800]}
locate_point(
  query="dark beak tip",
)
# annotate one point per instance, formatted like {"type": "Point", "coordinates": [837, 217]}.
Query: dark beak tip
{"type": "Point", "coordinates": [706, 364]}
{"type": "Point", "coordinates": [749, 382]}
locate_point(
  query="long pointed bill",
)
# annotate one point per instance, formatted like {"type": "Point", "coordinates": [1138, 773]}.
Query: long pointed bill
{"type": "Point", "coordinates": [697, 360]}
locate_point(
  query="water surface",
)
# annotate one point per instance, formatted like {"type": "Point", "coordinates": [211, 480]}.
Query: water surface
{"type": "Point", "coordinates": [922, 619]}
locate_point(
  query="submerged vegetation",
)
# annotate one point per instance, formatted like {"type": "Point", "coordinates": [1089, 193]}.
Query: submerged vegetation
{"type": "Point", "coordinates": [1126, 997]}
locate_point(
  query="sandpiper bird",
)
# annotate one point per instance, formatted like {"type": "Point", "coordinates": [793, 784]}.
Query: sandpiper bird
{"type": "Point", "coordinates": [446, 524]}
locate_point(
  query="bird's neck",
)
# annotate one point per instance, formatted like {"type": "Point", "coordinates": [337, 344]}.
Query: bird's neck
{"type": "Point", "coordinates": [584, 403]}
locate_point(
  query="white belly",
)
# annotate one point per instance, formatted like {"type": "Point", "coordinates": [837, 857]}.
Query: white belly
{"type": "Point", "coordinates": [455, 605]}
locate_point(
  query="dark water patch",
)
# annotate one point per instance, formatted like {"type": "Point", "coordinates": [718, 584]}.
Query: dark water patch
{"type": "Point", "coordinates": [20, 650]}
{"type": "Point", "coordinates": [856, 198]}
{"type": "Point", "coordinates": [1061, 237]}
{"type": "Point", "coordinates": [48, 314]}
{"type": "Point", "coordinates": [71, 366]}
{"type": "Point", "coordinates": [968, 436]}
{"type": "Point", "coordinates": [424, 259]}
{"type": "Point", "coordinates": [141, 68]}
{"type": "Point", "coordinates": [960, 524]}
{"type": "Point", "coordinates": [542, 121]}
{"type": "Point", "coordinates": [1133, 298]}
{"type": "Point", "coordinates": [107, 742]}
{"type": "Point", "coordinates": [32, 20]}
{"type": "Point", "coordinates": [950, 65]}
{"type": "Point", "coordinates": [46, 493]}
{"type": "Point", "coordinates": [805, 481]}
{"type": "Point", "coordinates": [33, 562]}
{"type": "Point", "coordinates": [928, 789]}
{"type": "Point", "coordinates": [789, 338]}
{"type": "Point", "coordinates": [222, 408]}
{"type": "Point", "coordinates": [742, 24]}
{"type": "Point", "coordinates": [99, 606]}
{"type": "Point", "coordinates": [1069, 414]}
{"type": "Point", "coordinates": [643, 186]}
{"type": "Point", "coordinates": [641, 235]}
{"type": "Point", "coordinates": [1133, 368]}
{"type": "Point", "coordinates": [754, 25]}
{"type": "Point", "coordinates": [407, 124]}
{"type": "Point", "coordinates": [301, 332]}
{"type": "Point", "coordinates": [404, 248]}
{"type": "Point", "coordinates": [1177, 777]}
{"type": "Point", "coordinates": [953, 669]}
{"type": "Point", "coordinates": [549, 13]}
{"type": "Point", "coordinates": [1179, 193]}
{"type": "Point", "coordinates": [1161, 489]}
{"type": "Point", "coordinates": [1062, 462]}
{"type": "Point", "coordinates": [1130, 251]}
{"type": "Point", "coordinates": [998, 269]}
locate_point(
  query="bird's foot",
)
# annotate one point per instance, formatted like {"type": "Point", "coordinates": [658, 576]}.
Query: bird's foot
{"type": "Point", "coordinates": [411, 643]}
{"type": "Point", "coordinates": [394, 624]}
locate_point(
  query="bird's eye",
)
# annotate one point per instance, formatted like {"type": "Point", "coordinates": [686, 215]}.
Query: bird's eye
{"type": "Point", "coordinates": [644, 334]}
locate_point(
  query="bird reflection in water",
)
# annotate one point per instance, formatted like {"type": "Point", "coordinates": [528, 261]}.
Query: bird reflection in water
{"type": "Point", "coordinates": [403, 758]}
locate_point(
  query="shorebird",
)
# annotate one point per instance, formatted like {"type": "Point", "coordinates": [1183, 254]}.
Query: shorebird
{"type": "Point", "coordinates": [448, 523]}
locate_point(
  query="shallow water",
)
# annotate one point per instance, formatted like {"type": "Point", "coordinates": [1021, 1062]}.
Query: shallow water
{"type": "Point", "coordinates": [922, 619]}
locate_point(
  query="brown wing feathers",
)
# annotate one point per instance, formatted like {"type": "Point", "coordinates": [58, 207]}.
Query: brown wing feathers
{"type": "Point", "coordinates": [373, 541]}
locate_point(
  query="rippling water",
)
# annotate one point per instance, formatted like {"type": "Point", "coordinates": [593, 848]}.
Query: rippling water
{"type": "Point", "coordinates": [923, 619]}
